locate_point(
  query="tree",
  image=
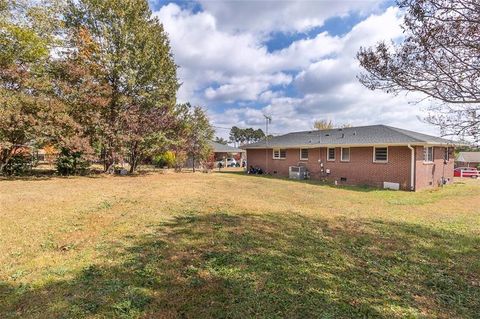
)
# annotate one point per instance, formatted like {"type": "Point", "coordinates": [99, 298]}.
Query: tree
{"type": "Point", "coordinates": [439, 57]}
{"type": "Point", "coordinates": [138, 67]}
{"type": "Point", "coordinates": [247, 135]}
{"type": "Point", "coordinates": [197, 134]}
{"type": "Point", "coordinates": [79, 81]}
{"type": "Point", "coordinates": [235, 135]}
{"type": "Point", "coordinates": [252, 136]}
{"type": "Point", "coordinates": [28, 112]}
{"type": "Point", "coordinates": [328, 125]}
{"type": "Point", "coordinates": [180, 133]}
{"type": "Point", "coordinates": [323, 125]}
{"type": "Point", "coordinates": [190, 135]}
{"type": "Point", "coordinates": [221, 140]}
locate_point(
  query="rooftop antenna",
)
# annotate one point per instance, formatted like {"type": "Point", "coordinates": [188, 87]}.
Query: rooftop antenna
{"type": "Point", "coordinates": [268, 120]}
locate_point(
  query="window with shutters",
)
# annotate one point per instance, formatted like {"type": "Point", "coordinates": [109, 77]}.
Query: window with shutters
{"type": "Point", "coordinates": [331, 154]}
{"type": "Point", "coordinates": [279, 154]}
{"type": "Point", "coordinates": [304, 154]}
{"type": "Point", "coordinates": [380, 154]}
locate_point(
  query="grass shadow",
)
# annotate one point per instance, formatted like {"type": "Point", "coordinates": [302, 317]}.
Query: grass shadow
{"type": "Point", "coordinates": [357, 188]}
{"type": "Point", "coordinates": [236, 266]}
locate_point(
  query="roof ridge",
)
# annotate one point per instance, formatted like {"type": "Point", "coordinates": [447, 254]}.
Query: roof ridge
{"type": "Point", "coordinates": [333, 129]}
{"type": "Point", "coordinates": [378, 133]}
{"type": "Point", "coordinates": [408, 133]}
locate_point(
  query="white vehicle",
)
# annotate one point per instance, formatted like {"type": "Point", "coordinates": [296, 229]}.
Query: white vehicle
{"type": "Point", "coordinates": [230, 162]}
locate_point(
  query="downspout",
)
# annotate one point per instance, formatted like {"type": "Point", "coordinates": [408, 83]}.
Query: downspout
{"type": "Point", "coordinates": [412, 168]}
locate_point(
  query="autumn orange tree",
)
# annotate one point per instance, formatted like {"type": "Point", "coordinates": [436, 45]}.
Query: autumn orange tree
{"type": "Point", "coordinates": [80, 83]}
{"type": "Point", "coordinates": [92, 79]}
{"type": "Point", "coordinates": [28, 113]}
{"type": "Point", "coordinates": [137, 71]}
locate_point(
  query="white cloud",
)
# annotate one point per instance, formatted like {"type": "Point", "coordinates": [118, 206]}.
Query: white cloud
{"type": "Point", "coordinates": [334, 72]}
{"type": "Point", "coordinates": [238, 63]}
{"type": "Point", "coordinates": [246, 87]}
{"type": "Point", "coordinates": [223, 59]}
{"type": "Point", "coordinates": [281, 15]}
{"type": "Point", "coordinates": [197, 43]}
{"type": "Point", "coordinates": [323, 76]}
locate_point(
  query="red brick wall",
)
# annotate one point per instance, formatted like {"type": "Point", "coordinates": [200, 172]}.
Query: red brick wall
{"type": "Point", "coordinates": [361, 170]}
{"type": "Point", "coordinates": [430, 174]}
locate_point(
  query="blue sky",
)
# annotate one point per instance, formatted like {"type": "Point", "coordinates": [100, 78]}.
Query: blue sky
{"type": "Point", "coordinates": [293, 60]}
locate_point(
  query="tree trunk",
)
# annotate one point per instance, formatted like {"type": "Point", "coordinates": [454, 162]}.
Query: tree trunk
{"type": "Point", "coordinates": [104, 158]}
{"type": "Point", "coordinates": [134, 157]}
{"type": "Point", "coordinates": [7, 154]}
{"type": "Point", "coordinates": [109, 158]}
{"type": "Point", "coordinates": [133, 165]}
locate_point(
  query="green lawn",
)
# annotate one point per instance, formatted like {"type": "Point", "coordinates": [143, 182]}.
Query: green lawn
{"type": "Point", "coordinates": [226, 245]}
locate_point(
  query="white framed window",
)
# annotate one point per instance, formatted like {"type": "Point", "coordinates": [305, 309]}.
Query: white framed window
{"type": "Point", "coordinates": [304, 154]}
{"type": "Point", "coordinates": [331, 154]}
{"type": "Point", "coordinates": [380, 154]}
{"type": "Point", "coordinates": [279, 153]}
{"type": "Point", "coordinates": [428, 154]}
{"type": "Point", "coordinates": [345, 154]}
{"type": "Point", "coordinates": [446, 155]}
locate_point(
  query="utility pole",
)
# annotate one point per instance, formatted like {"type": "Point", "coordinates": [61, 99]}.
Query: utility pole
{"type": "Point", "coordinates": [268, 120]}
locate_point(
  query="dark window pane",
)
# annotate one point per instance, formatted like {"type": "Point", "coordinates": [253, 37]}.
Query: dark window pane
{"type": "Point", "coordinates": [381, 154]}
{"type": "Point", "coordinates": [304, 153]}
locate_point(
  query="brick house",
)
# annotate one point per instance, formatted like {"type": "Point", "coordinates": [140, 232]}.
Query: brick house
{"type": "Point", "coordinates": [222, 152]}
{"type": "Point", "coordinates": [377, 155]}
{"type": "Point", "coordinates": [468, 159]}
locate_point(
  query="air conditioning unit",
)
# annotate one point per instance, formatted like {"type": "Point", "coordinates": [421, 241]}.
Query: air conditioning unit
{"type": "Point", "coordinates": [297, 172]}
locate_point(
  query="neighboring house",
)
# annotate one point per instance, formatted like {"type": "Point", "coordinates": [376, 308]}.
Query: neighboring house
{"type": "Point", "coordinates": [468, 159]}
{"type": "Point", "coordinates": [376, 155]}
{"type": "Point", "coordinates": [222, 152]}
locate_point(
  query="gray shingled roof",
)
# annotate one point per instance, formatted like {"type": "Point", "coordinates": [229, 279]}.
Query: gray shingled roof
{"type": "Point", "coordinates": [222, 148]}
{"type": "Point", "coordinates": [469, 157]}
{"type": "Point", "coordinates": [362, 135]}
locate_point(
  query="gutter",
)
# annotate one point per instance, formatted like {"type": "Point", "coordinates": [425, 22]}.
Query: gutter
{"type": "Point", "coordinates": [412, 168]}
{"type": "Point", "coordinates": [294, 146]}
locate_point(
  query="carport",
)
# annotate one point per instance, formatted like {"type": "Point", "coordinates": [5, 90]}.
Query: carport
{"type": "Point", "coordinates": [222, 152]}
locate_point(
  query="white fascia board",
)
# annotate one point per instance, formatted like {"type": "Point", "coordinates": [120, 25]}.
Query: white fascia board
{"type": "Point", "coordinates": [335, 145]}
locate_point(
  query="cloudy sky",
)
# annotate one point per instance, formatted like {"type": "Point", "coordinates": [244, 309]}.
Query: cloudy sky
{"type": "Point", "coordinates": [292, 60]}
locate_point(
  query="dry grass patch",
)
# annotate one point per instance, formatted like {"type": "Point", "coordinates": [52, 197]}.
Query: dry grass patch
{"type": "Point", "coordinates": [229, 245]}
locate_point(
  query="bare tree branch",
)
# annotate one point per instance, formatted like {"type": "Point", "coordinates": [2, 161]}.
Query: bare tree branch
{"type": "Point", "coordinates": [439, 57]}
